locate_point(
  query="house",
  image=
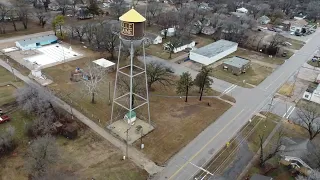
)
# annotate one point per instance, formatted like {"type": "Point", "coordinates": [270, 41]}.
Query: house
{"type": "Point", "coordinates": [312, 93]}
{"type": "Point", "coordinates": [260, 177]}
{"type": "Point", "coordinates": [208, 30]}
{"type": "Point", "coordinates": [170, 32]}
{"type": "Point", "coordinates": [83, 13]}
{"type": "Point", "coordinates": [152, 38]}
{"type": "Point", "coordinates": [263, 20]}
{"type": "Point", "coordinates": [298, 26]}
{"type": "Point", "coordinates": [298, 153]}
{"type": "Point", "coordinates": [213, 52]}
{"type": "Point", "coordinates": [238, 14]}
{"type": "Point", "coordinates": [182, 45]}
{"type": "Point", "coordinates": [299, 16]}
{"type": "Point", "coordinates": [236, 65]}
{"type": "Point", "coordinates": [242, 10]}
{"type": "Point", "coordinates": [106, 64]}
{"type": "Point", "coordinates": [36, 42]}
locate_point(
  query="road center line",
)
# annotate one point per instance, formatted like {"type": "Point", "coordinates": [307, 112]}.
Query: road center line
{"type": "Point", "coordinates": [228, 89]}
{"type": "Point", "coordinates": [274, 80]}
{"type": "Point", "coordinates": [186, 163]}
{"type": "Point", "coordinates": [231, 89]}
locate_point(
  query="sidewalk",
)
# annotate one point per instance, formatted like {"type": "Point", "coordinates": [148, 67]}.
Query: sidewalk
{"type": "Point", "coordinates": [136, 156]}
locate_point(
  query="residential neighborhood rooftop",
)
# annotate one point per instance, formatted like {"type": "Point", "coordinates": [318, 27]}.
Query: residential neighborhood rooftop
{"type": "Point", "coordinates": [215, 48]}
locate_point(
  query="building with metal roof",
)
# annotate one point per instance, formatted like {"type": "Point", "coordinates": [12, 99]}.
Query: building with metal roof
{"type": "Point", "coordinates": [236, 65]}
{"type": "Point", "coordinates": [36, 42]}
{"type": "Point", "coordinates": [213, 52]}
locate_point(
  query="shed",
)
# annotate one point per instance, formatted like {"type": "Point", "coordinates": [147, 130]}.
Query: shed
{"type": "Point", "coordinates": [130, 117]}
{"type": "Point", "coordinates": [236, 65]}
{"type": "Point", "coordinates": [105, 64]}
{"type": "Point", "coordinates": [36, 42]}
{"type": "Point", "coordinates": [213, 52]}
{"type": "Point", "coordinates": [264, 20]}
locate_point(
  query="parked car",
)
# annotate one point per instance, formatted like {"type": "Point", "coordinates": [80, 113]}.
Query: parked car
{"type": "Point", "coordinates": [4, 118]}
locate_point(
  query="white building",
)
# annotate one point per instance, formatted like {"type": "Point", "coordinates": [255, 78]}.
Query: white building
{"type": "Point", "coordinates": [213, 52]}
{"type": "Point", "coordinates": [106, 64]}
{"type": "Point", "coordinates": [170, 32]}
{"type": "Point", "coordinates": [185, 44]}
{"type": "Point", "coordinates": [153, 38]}
{"type": "Point", "coordinates": [242, 10]}
{"type": "Point", "coordinates": [312, 93]}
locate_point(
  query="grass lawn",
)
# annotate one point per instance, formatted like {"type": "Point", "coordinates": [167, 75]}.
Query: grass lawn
{"type": "Point", "coordinates": [286, 89]}
{"type": "Point", "coordinates": [256, 56]}
{"type": "Point", "coordinates": [177, 123]}
{"type": "Point", "coordinates": [254, 75]}
{"type": "Point", "coordinates": [23, 70]}
{"type": "Point", "coordinates": [88, 156]}
{"type": "Point", "coordinates": [296, 44]}
{"type": "Point", "coordinates": [33, 27]}
{"type": "Point", "coordinates": [314, 64]}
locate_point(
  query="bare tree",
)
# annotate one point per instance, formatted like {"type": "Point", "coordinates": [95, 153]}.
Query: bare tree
{"type": "Point", "coordinates": [203, 80]}
{"type": "Point", "coordinates": [23, 11]}
{"type": "Point", "coordinates": [184, 84]}
{"type": "Point", "coordinates": [41, 154]}
{"type": "Point", "coordinates": [13, 15]}
{"type": "Point", "coordinates": [118, 7]}
{"type": "Point", "coordinates": [95, 75]}
{"type": "Point", "coordinates": [110, 37]}
{"type": "Point", "coordinates": [42, 15]}
{"type": "Point", "coordinates": [159, 73]}
{"type": "Point", "coordinates": [7, 143]}
{"type": "Point", "coordinates": [153, 10]}
{"type": "Point", "coordinates": [4, 11]}
{"type": "Point", "coordinates": [308, 118]}
{"type": "Point", "coordinates": [41, 127]}
{"type": "Point", "coordinates": [313, 10]}
{"type": "Point", "coordinates": [37, 101]}
{"type": "Point", "coordinates": [265, 156]}
{"type": "Point", "coordinates": [80, 31]}
{"type": "Point", "coordinates": [287, 5]}
{"type": "Point", "coordinates": [167, 20]}
{"type": "Point", "coordinates": [63, 5]}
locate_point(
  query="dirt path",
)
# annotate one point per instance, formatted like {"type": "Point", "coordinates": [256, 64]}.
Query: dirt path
{"type": "Point", "coordinates": [136, 156]}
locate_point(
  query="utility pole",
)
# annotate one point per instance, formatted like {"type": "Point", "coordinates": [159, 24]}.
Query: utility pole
{"type": "Point", "coordinates": [109, 95]}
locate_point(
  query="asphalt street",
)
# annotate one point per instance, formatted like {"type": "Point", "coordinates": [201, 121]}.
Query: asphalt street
{"type": "Point", "coordinates": [185, 164]}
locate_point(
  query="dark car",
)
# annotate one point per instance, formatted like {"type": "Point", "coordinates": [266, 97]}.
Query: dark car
{"type": "Point", "coordinates": [4, 118]}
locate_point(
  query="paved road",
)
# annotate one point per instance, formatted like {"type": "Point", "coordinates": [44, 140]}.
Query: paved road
{"type": "Point", "coordinates": [249, 102]}
{"type": "Point", "coordinates": [135, 155]}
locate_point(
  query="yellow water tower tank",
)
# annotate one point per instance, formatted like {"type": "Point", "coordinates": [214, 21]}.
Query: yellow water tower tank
{"type": "Point", "coordinates": [132, 25]}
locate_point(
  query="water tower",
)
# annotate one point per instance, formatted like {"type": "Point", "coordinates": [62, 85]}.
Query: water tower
{"type": "Point", "coordinates": [131, 98]}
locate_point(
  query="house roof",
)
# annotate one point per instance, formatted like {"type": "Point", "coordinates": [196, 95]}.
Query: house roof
{"type": "Point", "coordinates": [299, 23]}
{"type": "Point", "coordinates": [215, 48]}
{"type": "Point", "coordinates": [132, 16]}
{"type": "Point", "coordinates": [38, 39]}
{"type": "Point", "coordinates": [264, 18]}
{"type": "Point", "coordinates": [236, 62]}
{"type": "Point", "coordinates": [260, 177]}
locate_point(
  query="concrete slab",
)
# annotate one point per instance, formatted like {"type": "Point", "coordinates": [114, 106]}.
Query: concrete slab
{"type": "Point", "coordinates": [120, 127]}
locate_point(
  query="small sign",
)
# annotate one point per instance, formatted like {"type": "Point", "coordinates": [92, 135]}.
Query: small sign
{"type": "Point", "coordinates": [127, 28]}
